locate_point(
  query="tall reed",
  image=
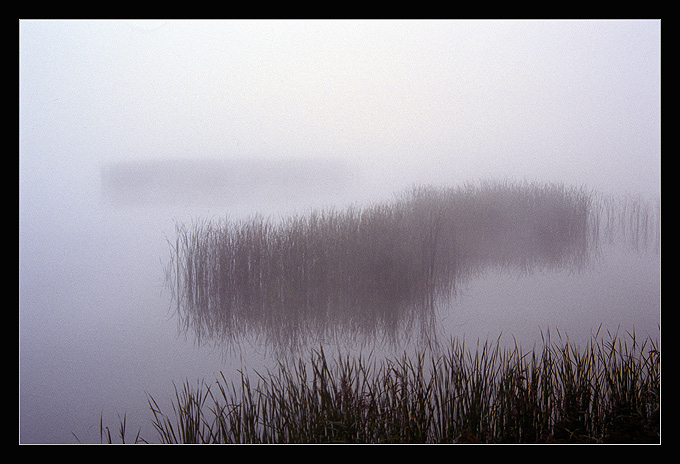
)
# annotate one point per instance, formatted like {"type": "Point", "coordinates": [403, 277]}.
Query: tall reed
{"type": "Point", "coordinates": [379, 271]}
{"type": "Point", "coordinates": [605, 392]}
{"type": "Point", "coordinates": [632, 220]}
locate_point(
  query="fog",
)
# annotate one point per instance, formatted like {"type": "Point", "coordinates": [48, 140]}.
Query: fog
{"type": "Point", "coordinates": [128, 128]}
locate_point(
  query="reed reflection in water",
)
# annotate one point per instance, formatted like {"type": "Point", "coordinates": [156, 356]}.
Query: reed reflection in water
{"type": "Point", "coordinates": [377, 273]}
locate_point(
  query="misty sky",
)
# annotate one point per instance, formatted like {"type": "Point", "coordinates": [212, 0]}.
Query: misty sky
{"type": "Point", "coordinates": [404, 101]}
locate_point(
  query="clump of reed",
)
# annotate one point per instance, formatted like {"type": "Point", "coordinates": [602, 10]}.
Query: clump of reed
{"type": "Point", "coordinates": [605, 392]}
{"type": "Point", "coordinates": [632, 220]}
{"type": "Point", "coordinates": [378, 272]}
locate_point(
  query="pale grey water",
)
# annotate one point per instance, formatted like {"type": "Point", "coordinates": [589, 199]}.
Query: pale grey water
{"type": "Point", "coordinates": [97, 332]}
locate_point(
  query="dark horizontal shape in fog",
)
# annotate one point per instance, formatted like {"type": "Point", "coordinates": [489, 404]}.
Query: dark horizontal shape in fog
{"type": "Point", "coordinates": [233, 180]}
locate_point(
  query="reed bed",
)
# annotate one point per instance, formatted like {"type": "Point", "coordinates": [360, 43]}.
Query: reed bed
{"type": "Point", "coordinates": [377, 272]}
{"type": "Point", "coordinates": [605, 392]}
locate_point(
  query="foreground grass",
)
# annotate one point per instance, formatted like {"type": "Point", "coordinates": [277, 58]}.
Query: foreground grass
{"type": "Point", "coordinates": [605, 392]}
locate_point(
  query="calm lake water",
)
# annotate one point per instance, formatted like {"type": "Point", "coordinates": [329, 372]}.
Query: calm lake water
{"type": "Point", "coordinates": [98, 333]}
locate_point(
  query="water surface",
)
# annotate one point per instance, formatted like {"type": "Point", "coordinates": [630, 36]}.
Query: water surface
{"type": "Point", "coordinates": [99, 331]}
